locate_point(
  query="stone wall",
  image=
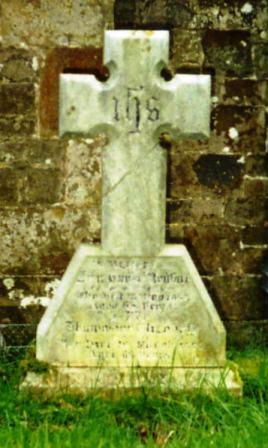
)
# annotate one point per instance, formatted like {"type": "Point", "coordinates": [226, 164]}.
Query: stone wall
{"type": "Point", "coordinates": [50, 188]}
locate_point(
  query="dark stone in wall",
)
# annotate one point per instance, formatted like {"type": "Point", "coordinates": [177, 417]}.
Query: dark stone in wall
{"type": "Point", "coordinates": [260, 53]}
{"type": "Point", "coordinates": [228, 51]}
{"type": "Point", "coordinates": [16, 98]}
{"type": "Point", "coordinates": [124, 14]}
{"type": "Point", "coordinates": [243, 92]}
{"type": "Point", "coordinates": [234, 297]}
{"type": "Point", "coordinates": [244, 333]}
{"type": "Point", "coordinates": [8, 186]}
{"type": "Point", "coordinates": [33, 153]}
{"type": "Point", "coordinates": [153, 14]}
{"type": "Point", "coordinates": [16, 125]}
{"type": "Point", "coordinates": [179, 13]}
{"type": "Point", "coordinates": [248, 121]}
{"type": "Point", "coordinates": [247, 211]}
{"type": "Point", "coordinates": [41, 186]}
{"type": "Point", "coordinates": [218, 170]}
{"type": "Point", "coordinates": [253, 235]}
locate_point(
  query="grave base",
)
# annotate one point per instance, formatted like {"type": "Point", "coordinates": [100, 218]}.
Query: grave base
{"type": "Point", "coordinates": [86, 379]}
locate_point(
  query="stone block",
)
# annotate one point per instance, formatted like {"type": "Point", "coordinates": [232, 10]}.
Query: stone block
{"type": "Point", "coordinates": [41, 186]}
{"type": "Point", "coordinates": [213, 247]}
{"type": "Point", "coordinates": [241, 210]}
{"type": "Point", "coordinates": [186, 50]}
{"type": "Point", "coordinates": [195, 14]}
{"type": "Point", "coordinates": [249, 260]}
{"type": "Point", "coordinates": [255, 235]}
{"type": "Point", "coordinates": [59, 60]}
{"type": "Point", "coordinates": [201, 210]}
{"type": "Point", "coordinates": [240, 129]}
{"type": "Point", "coordinates": [181, 175]}
{"type": "Point", "coordinates": [162, 14]}
{"type": "Point", "coordinates": [147, 341]}
{"type": "Point", "coordinates": [28, 152]}
{"type": "Point", "coordinates": [228, 52]}
{"type": "Point", "coordinates": [17, 98]}
{"type": "Point", "coordinates": [256, 165]}
{"type": "Point", "coordinates": [8, 187]}
{"type": "Point", "coordinates": [48, 23]}
{"type": "Point", "coordinates": [219, 172]}
{"type": "Point", "coordinates": [260, 58]}
{"type": "Point", "coordinates": [242, 333]}
{"type": "Point", "coordinates": [235, 15]}
{"type": "Point", "coordinates": [17, 65]}
{"type": "Point", "coordinates": [124, 14]}
{"type": "Point", "coordinates": [256, 187]}
{"type": "Point", "coordinates": [17, 125]}
{"type": "Point", "coordinates": [83, 175]}
{"type": "Point", "coordinates": [44, 239]}
{"type": "Point", "coordinates": [240, 92]}
{"type": "Point", "coordinates": [234, 294]}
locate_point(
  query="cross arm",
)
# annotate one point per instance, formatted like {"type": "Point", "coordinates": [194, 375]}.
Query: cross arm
{"type": "Point", "coordinates": [187, 106]}
{"type": "Point", "coordinates": [82, 105]}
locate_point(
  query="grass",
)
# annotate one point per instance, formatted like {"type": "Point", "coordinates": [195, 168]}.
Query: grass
{"type": "Point", "coordinates": [141, 420]}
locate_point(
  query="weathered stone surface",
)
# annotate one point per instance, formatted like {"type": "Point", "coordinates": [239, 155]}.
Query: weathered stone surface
{"type": "Point", "coordinates": [59, 60]}
{"type": "Point", "coordinates": [241, 333]}
{"type": "Point", "coordinates": [191, 200]}
{"type": "Point", "coordinates": [163, 14]}
{"type": "Point", "coordinates": [260, 54]}
{"type": "Point", "coordinates": [8, 187]}
{"type": "Point", "coordinates": [41, 186]}
{"type": "Point", "coordinates": [198, 14]}
{"type": "Point", "coordinates": [256, 187]}
{"type": "Point", "coordinates": [45, 238]}
{"type": "Point", "coordinates": [228, 52]}
{"type": "Point", "coordinates": [16, 99]}
{"type": "Point", "coordinates": [240, 92]}
{"type": "Point", "coordinates": [49, 23]}
{"type": "Point", "coordinates": [233, 295]}
{"type": "Point", "coordinates": [186, 50]}
{"type": "Point", "coordinates": [219, 171]}
{"type": "Point", "coordinates": [16, 66]}
{"type": "Point", "coordinates": [129, 312]}
{"type": "Point", "coordinates": [257, 165]}
{"type": "Point", "coordinates": [131, 302]}
{"type": "Point", "coordinates": [34, 153]}
{"type": "Point", "coordinates": [241, 129]}
{"type": "Point", "coordinates": [75, 379]}
{"type": "Point", "coordinates": [237, 14]}
{"type": "Point", "coordinates": [219, 243]}
{"type": "Point", "coordinates": [201, 210]}
{"type": "Point", "coordinates": [17, 125]}
{"type": "Point", "coordinates": [134, 107]}
{"type": "Point", "coordinates": [83, 172]}
{"type": "Point", "coordinates": [124, 14]}
{"type": "Point", "coordinates": [255, 236]}
{"type": "Point", "coordinates": [241, 210]}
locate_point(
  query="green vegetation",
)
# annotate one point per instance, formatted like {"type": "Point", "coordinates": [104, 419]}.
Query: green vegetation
{"type": "Point", "coordinates": [143, 419]}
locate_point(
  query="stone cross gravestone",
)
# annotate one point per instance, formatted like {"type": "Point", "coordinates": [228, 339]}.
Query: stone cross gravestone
{"type": "Point", "coordinates": [133, 310]}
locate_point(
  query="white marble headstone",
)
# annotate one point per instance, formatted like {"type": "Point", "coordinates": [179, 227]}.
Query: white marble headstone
{"type": "Point", "coordinates": [133, 308]}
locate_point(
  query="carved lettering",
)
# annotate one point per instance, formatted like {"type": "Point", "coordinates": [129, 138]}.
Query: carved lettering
{"type": "Point", "coordinates": [134, 107]}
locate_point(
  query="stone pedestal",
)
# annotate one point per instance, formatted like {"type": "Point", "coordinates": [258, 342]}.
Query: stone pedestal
{"type": "Point", "coordinates": [127, 322]}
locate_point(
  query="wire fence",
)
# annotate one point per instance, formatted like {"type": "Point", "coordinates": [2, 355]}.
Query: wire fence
{"type": "Point", "coordinates": [15, 339]}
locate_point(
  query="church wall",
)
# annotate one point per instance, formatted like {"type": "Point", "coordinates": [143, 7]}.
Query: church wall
{"type": "Point", "coordinates": [50, 188]}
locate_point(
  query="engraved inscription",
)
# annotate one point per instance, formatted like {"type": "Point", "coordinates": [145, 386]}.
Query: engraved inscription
{"type": "Point", "coordinates": [132, 311]}
{"type": "Point", "coordinates": [134, 108]}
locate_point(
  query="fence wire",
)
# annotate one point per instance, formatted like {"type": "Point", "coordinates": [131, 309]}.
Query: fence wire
{"type": "Point", "coordinates": [15, 339]}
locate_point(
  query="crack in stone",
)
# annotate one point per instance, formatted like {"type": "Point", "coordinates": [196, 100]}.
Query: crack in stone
{"type": "Point", "coordinates": [131, 169]}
